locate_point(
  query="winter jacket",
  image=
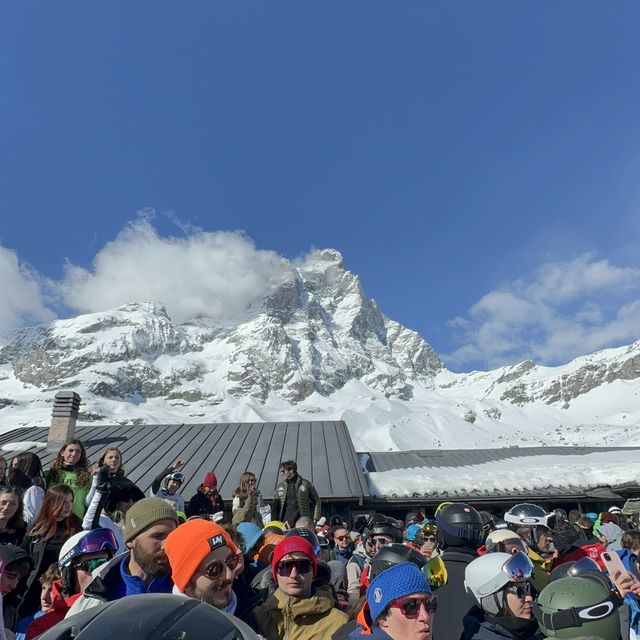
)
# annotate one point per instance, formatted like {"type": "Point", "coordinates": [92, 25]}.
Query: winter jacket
{"type": "Point", "coordinates": [541, 569]}
{"type": "Point", "coordinates": [476, 627]}
{"type": "Point", "coordinates": [112, 581]}
{"type": "Point", "coordinates": [58, 611]}
{"type": "Point", "coordinates": [201, 505]}
{"type": "Point", "coordinates": [32, 501]}
{"type": "Point", "coordinates": [159, 491]}
{"type": "Point", "coordinates": [306, 497]}
{"type": "Point", "coordinates": [247, 512]}
{"type": "Point", "coordinates": [354, 570]}
{"type": "Point", "coordinates": [453, 600]}
{"type": "Point", "coordinates": [362, 627]}
{"type": "Point", "coordinates": [313, 618]}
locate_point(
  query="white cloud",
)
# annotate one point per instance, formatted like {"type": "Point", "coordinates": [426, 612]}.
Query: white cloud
{"type": "Point", "coordinates": [203, 273]}
{"type": "Point", "coordinates": [565, 310]}
{"type": "Point", "coordinates": [21, 298]}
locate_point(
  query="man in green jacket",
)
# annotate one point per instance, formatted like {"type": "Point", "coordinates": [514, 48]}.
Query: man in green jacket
{"type": "Point", "coordinates": [294, 496]}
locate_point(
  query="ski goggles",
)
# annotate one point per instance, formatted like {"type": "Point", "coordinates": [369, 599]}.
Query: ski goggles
{"type": "Point", "coordinates": [518, 567]}
{"type": "Point", "coordinates": [177, 476]}
{"type": "Point", "coordinates": [96, 541]}
{"type": "Point", "coordinates": [410, 607]}
{"type": "Point", "coordinates": [574, 617]}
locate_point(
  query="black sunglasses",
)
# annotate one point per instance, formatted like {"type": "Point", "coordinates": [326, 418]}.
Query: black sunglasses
{"type": "Point", "coordinates": [285, 568]}
{"type": "Point", "coordinates": [521, 590]}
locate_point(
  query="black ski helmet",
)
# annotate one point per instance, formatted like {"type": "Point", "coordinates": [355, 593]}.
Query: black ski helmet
{"type": "Point", "coordinates": [149, 616]}
{"type": "Point", "coordinates": [381, 525]}
{"type": "Point", "coordinates": [307, 534]}
{"type": "Point", "coordinates": [391, 554]}
{"type": "Point", "coordinates": [459, 525]}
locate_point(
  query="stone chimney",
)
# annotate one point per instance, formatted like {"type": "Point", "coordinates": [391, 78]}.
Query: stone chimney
{"type": "Point", "coordinates": [63, 419]}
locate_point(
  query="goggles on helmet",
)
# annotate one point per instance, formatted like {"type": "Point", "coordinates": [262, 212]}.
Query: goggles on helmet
{"type": "Point", "coordinates": [95, 541]}
{"type": "Point", "coordinates": [177, 476]}
{"type": "Point", "coordinates": [518, 567]}
{"type": "Point", "coordinates": [574, 617]}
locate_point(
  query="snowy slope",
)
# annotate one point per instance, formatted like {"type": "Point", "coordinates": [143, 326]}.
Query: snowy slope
{"type": "Point", "coordinates": [315, 348]}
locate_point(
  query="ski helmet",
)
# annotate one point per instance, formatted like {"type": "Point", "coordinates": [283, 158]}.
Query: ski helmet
{"type": "Point", "coordinates": [528, 521]}
{"type": "Point", "coordinates": [307, 534]}
{"type": "Point", "coordinates": [381, 525]}
{"type": "Point", "coordinates": [391, 554]}
{"type": "Point", "coordinates": [97, 545]}
{"type": "Point", "coordinates": [573, 569]}
{"type": "Point", "coordinates": [577, 607]}
{"type": "Point", "coordinates": [505, 541]}
{"type": "Point", "coordinates": [459, 525]}
{"type": "Point", "coordinates": [487, 576]}
{"type": "Point", "coordinates": [149, 616]}
{"type": "Point", "coordinates": [176, 475]}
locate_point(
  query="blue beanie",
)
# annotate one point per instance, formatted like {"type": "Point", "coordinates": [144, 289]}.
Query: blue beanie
{"type": "Point", "coordinates": [251, 533]}
{"type": "Point", "coordinates": [398, 581]}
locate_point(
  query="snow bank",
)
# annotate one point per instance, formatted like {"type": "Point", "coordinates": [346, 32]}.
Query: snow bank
{"type": "Point", "coordinates": [607, 468]}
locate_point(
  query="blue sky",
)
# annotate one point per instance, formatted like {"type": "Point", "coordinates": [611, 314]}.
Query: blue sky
{"type": "Point", "coordinates": [477, 164]}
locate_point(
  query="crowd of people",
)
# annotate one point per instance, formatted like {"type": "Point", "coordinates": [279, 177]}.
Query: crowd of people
{"type": "Point", "coordinates": [76, 540]}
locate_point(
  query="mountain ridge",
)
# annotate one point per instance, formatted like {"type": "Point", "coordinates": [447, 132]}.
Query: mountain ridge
{"type": "Point", "coordinates": [314, 346]}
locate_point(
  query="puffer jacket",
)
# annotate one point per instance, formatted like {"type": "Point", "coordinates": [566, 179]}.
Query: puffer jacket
{"type": "Point", "coordinates": [247, 512]}
{"type": "Point", "coordinates": [306, 496]}
{"type": "Point", "coordinates": [355, 566]}
{"type": "Point", "coordinates": [313, 618]}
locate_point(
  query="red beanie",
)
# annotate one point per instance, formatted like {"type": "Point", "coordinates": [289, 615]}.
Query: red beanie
{"type": "Point", "coordinates": [210, 481]}
{"type": "Point", "coordinates": [293, 544]}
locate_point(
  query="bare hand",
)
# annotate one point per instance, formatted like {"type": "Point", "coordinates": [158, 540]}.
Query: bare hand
{"type": "Point", "coordinates": [177, 464]}
{"type": "Point", "coordinates": [626, 583]}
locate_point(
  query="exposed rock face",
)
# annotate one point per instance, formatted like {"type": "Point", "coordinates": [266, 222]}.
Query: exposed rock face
{"type": "Point", "coordinates": [314, 333]}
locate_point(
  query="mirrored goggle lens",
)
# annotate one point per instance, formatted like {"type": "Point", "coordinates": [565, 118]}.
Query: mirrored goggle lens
{"type": "Point", "coordinates": [515, 545]}
{"type": "Point", "coordinates": [518, 567]}
{"type": "Point", "coordinates": [582, 565]}
{"type": "Point", "coordinates": [98, 540]}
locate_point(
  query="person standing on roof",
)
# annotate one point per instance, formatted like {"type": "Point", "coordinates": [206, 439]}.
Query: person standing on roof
{"type": "Point", "coordinates": [247, 505]}
{"type": "Point", "coordinates": [294, 496]}
{"type": "Point", "coordinates": [171, 480]}
{"type": "Point", "coordinates": [207, 501]}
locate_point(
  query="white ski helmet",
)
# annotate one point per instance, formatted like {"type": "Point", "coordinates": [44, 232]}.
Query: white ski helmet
{"type": "Point", "coordinates": [486, 576]}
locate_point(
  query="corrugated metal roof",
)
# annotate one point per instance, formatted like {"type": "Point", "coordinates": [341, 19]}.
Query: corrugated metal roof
{"type": "Point", "coordinates": [389, 460]}
{"type": "Point", "coordinates": [323, 451]}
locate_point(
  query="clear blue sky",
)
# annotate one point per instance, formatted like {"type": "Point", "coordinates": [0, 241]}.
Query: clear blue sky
{"type": "Point", "coordinates": [449, 150]}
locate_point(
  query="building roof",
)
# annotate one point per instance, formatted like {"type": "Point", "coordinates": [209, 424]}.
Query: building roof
{"type": "Point", "coordinates": [421, 475]}
{"type": "Point", "coordinates": [323, 451]}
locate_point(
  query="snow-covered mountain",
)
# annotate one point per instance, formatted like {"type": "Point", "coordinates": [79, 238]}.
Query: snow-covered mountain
{"type": "Point", "coordinates": [316, 347]}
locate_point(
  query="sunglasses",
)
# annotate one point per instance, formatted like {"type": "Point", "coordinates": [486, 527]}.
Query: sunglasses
{"type": "Point", "coordinates": [286, 567]}
{"type": "Point", "coordinates": [340, 538]}
{"type": "Point", "coordinates": [381, 541]}
{"type": "Point", "coordinates": [410, 607]}
{"type": "Point", "coordinates": [216, 569]}
{"type": "Point", "coordinates": [429, 539]}
{"type": "Point", "coordinates": [521, 590]}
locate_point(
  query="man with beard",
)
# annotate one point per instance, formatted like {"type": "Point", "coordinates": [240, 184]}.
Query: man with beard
{"type": "Point", "coordinates": [144, 568]}
{"type": "Point", "coordinates": [204, 565]}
